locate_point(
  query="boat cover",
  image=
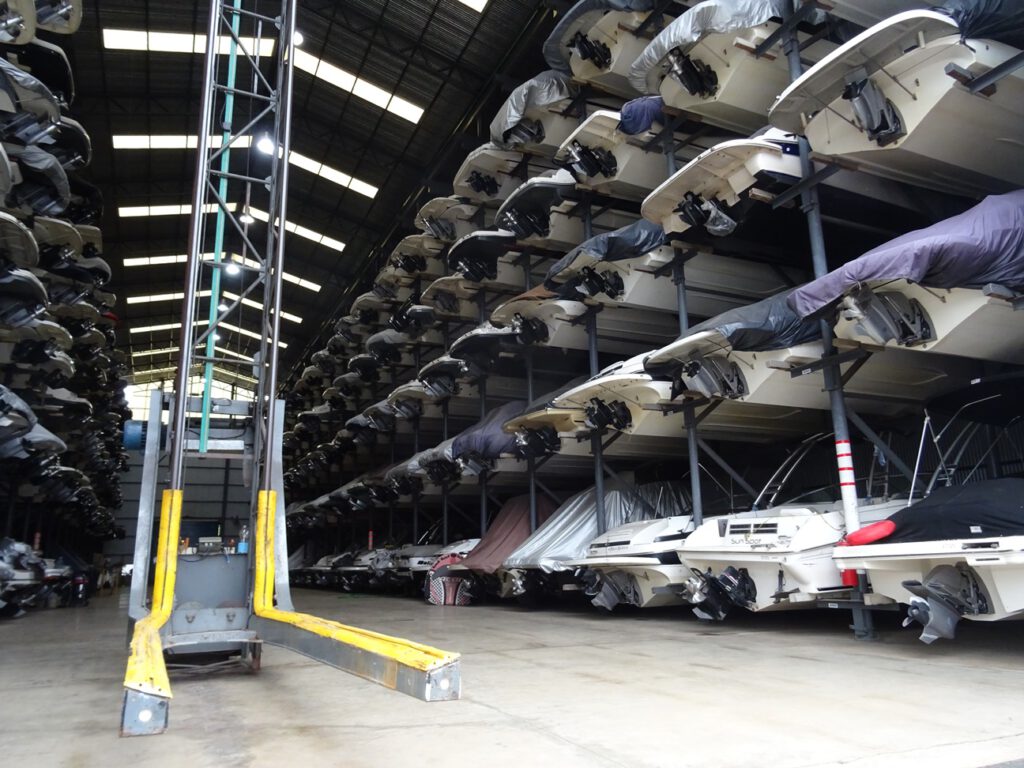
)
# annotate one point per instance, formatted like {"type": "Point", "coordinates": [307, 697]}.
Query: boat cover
{"type": "Point", "coordinates": [568, 533]}
{"type": "Point", "coordinates": [982, 245]}
{"type": "Point", "coordinates": [508, 530]}
{"type": "Point", "coordinates": [979, 510]}
{"type": "Point", "coordinates": [47, 166]}
{"type": "Point", "coordinates": [549, 87]}
{"type": "Point", "coordinates": [627, 242]}
{"type": "Point", "coordinates": [556, 47]}
{"type": "Point", "coordinates": [640, 115]}
{"type": "Point", "coordinates": [486, 438]}
{"type": "Point", "coordinates": [707, 18]}
{"type": "Point", "coordinates": [1001, 20]}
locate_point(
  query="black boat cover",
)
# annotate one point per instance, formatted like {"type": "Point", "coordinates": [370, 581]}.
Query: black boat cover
{"type": "Point", "coordinates": [1001, 20]}
{"type": "Point", "coordinates": [639, 115]}
{"type": "Point", "coordinates": [549, 87]}
{"type": "Point", "coordinates": [764, 325]}
{"type": "Point", "coordinates": [975, 511]}
{"type": "Point", "coordinates": [556, 47]}
{"type": "Point", "coordinates": [982, 245]}
{"type": "Point", "coordinates": [628, 242]}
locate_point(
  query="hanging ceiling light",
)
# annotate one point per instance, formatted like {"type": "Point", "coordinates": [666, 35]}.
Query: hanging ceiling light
{"type": "Point", "coordinates": [265, 145]}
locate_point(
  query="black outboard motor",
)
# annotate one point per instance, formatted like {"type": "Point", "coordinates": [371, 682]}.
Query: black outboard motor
{"type": "Point", "coordinates": [946, 594]}
{"type": "Point", "coordinates": [889, 316]}
{"type": "Point", "coordinates": [590, 161]}
{"type": "Point", "coordinates": [482, 183]}
{"type": "Point", "coordinates": [537, 442]}
{"type": "Point", "coordinates": [693, 74]}
{"type": "Point", "coordinates": [875, 113]}
{"type": "Point", "coordinates": [593, 51]}
{"type": "Point", "coordinates": [713, 596]}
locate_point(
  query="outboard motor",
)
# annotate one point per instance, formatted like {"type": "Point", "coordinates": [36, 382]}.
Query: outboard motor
{"type": "Point", "coordinates": [590, 161]}
{"type": "Point", "coordinates": [526, 131]}
{"type": "Point", "coordinates": [523, 224]}
{"type": "Point", "coordinates": [537, 442]}
{"type": "Point", "coordinates": [600, 414]}
{"type": "Point", "coordinates": [874, 112]}
{"type": "Point", "coordinates": [693, 74]}
{"type": "Point", "coordinates": [709, 214]}
{"type": "Point", "coordinates": [439, 229]}
{"type": "Point", "coordinates": [946, 594]}
{"type": "Point", "coordinates": [477, 269]}
{"type": "Point", "coordinates": [529, 330]}
{"type": "Point", "coordinates": [888, 316]}
{"type": "Point", "coordinates": [710, 376]}
{"type": "Point", "coordinates": [591, 282]}
{"type": "Point", "coordinates": [594, 51]}
{"type": "Point", "coordinates": [482, 183]}
{"type": "Point", "coordinates": [713, 596]}
{"type": "Point", "coordinates": [411, 263]}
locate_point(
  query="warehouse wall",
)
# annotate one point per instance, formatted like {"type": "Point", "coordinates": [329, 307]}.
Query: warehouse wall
{"type": "Point", "coordinates": [207, 497]}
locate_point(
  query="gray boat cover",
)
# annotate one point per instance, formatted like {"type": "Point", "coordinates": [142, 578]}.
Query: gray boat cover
{"type": "Point", "coordinates": [640, 115]}
{"type": "Point", "coordinates": [583, 15]}
{"type": "Point", "coordinates": [386, 341]}
{"type": "Point", "coordinates": [549, 87]}
{"type": "Point", "coordinates": [49, 167]}
{"type": "Point", "coordinates": [627, 242]}
{"type": "Point", "coordinates": [706, 18]}
{"type": "Point", "coordinates": [42, 103]}
{"type": "Point", "coordinates": [1001, 20]}
{"type": "Point", "coordinates": [507, 531]}
{"type": "Point", "coordinates": [568, 533]}
{"type": "Point", "coordinates": [982, 245]}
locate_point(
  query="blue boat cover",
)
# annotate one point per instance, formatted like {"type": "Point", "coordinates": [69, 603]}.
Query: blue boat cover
{"type": "Point", "coordinates": [639, 115]}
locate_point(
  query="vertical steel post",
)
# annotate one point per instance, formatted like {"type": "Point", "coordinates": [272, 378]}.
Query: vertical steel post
{"type": "Point", "coordinates": [531, 463]}
{"type": "Point", "coordinates": [197, 224]}
{"type": "Point", "coordinates": [689, 415]}
{"type": "Point", "coordinates": [482, 480]}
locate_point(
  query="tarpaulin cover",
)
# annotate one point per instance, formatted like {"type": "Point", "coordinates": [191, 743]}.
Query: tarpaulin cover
{"type": "Point", "coordinates": [764, 325]}
{"type": "Point", "coordinates": [48, 166]}
{"type": "Point", "coordinates": [486, 438]}
{"type": "Point", "coordinates": [628, 242]}
{"type": "Point", "coordinates": [1001, 20]}
{"type": "Point", "coordinates": [507, 531]}
{"type": "Point", "coordinates": [547, 88]}
{"type": "Point", "coordinates": [42, 102]}
{"type": "Point", "coordinates": [979, 510]}
{"type": "Point", "coordinates": [568, 533]}
{"type": "Point", "coordinates": [639, 115]}
{"type": "Point", "coordinates": [386, 340]}
{"type": "Point", "coordinates": [582, 16]}
{"type": "Point", "coordinates": [707, 18]}
{"type": "Point", "coordinates": [985, 244]}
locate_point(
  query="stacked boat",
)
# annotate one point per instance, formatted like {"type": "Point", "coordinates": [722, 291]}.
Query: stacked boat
{"type": "Point", "coordinates": [61, 380]}
{"type": "Point", "coordinates": [623, 354]}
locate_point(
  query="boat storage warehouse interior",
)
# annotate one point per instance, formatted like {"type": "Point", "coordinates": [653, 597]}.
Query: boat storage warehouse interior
{"type": "Point", "coordinates": [569, 383]}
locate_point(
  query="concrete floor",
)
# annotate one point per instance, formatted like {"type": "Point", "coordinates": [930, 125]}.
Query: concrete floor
{"type": "Point", "coordinates": [551, 687]}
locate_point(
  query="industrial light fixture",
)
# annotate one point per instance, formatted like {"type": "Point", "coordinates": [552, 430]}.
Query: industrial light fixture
{"type": "Point", "coordinates": [245, 218]}
{"type": "Point", "coordinates": [265, 145]}
{"type": "Point", "coordinates": [232, 269]}
{"type": "Point", "coordinates": [222, 307]}
{"type": "Point", "coordinates": [298, 38]}
{"type": "Point", "coordinates": [216, 336]}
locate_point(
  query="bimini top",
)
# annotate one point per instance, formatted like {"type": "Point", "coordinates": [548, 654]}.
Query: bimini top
{"type": "Point", "coordinates": [979, 510]}
{"type": "Point", "coordinates": [567, 534]}
{"type": "Point", "coordinates": [707, 18]}
{"type": "Point", "coordinates": [765, 325]}
{"type": "Point", "coordinates": [547, 88]}
{"type": "Point", "coordinates": [581, 17]}
{"type": "Point", "coordinates": [980, 246]}
{"type": "Point", "coordinates": [991, 400]}
{"type": "Point", "coordinates": [628, 242]}
{"type": "Point", "coordinates": [507, 531]}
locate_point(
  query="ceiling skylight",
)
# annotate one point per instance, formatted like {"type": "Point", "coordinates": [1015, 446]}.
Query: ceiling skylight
{"type": "Point", "coordinates": [166, 210]}
{"type": "Point", "coordinates": [153, 261]}
{"type": "Point", "coordinates": [297, 229]}
{"type": "Point", "coordinates": [173, 141]}
{"type": "Point", "coordinates": [178, 42]}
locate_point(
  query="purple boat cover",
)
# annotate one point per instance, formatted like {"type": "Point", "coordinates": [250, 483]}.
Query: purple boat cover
{"type": "Point", "coordinates": [980, 246]}
{"type": "Point", "coordinates": [627, 242]}
{"type": "Point", "coordinates": [641, 114]}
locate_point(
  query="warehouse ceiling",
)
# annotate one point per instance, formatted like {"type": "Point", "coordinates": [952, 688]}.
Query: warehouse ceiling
{"type": "Point", "coordinates": [364, 171]}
